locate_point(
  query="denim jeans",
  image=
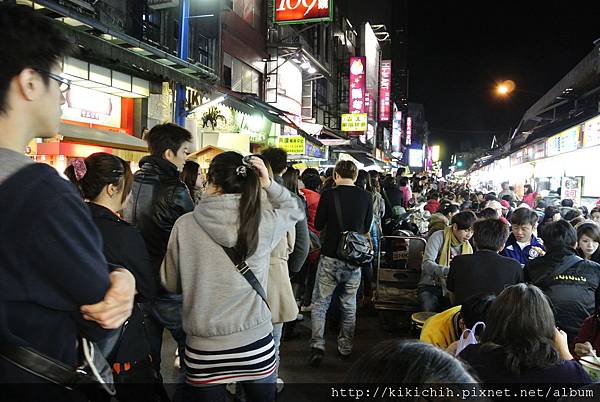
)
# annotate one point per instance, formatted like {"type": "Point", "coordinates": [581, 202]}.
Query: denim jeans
{"type": "Point", "coordinates": [432, 299]}
{"type": "Point", "coordinates": [332, 273]}
{"type": "Point", "coordinates": [277, 332]}
{"type": "Point", "coordinates": [263, 390]}
{"type": "Point", "coordinates": [164, 312]}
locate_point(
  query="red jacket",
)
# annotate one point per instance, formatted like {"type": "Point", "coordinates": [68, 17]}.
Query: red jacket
{"type": "Point", "coordinates": [432, 206]}
{"type": "Point", "coordinates": [589, 332]}
{"type": "Point", "coordinates": [312, 199]}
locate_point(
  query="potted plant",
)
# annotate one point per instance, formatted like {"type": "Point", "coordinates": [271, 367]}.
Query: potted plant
{"type": "Point", "coordinates": [212, 117]}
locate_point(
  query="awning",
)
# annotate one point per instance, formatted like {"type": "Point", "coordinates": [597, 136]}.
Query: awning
{"type": "Point", "coordinates": [250, 104]}
{"type": "Point", "coordinates": [94, 136]}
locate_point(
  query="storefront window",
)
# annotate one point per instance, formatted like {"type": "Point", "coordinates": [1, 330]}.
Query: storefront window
{"type": "Point", "coordinates": [240, 77]}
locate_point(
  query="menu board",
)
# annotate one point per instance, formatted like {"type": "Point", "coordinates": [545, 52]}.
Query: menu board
{"type": "Point", "coordinates": [565, 141]}
{"type": "Point", "coordinates": [591, 132]}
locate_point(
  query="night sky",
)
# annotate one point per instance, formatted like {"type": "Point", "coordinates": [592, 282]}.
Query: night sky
{"type": "Point", "coordinates": [458, 50]}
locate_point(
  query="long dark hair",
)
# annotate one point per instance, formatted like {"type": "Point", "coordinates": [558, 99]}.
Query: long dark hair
{"type": "Point", "coordinates": [189, 175]}
{"type": "Point", "coordinates": [101, 169]}
{"type": "Point", "coordinates": [521, 326]}
{"type": "Point", "coordinates": [225, 172]}
{"type": "Point", "coordinates": [408, 362]}
{"type": "Point", "coordinates": [290, 179]}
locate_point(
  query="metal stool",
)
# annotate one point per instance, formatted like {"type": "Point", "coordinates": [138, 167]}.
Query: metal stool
{"type": "Point", "coordinates": [418, 319]}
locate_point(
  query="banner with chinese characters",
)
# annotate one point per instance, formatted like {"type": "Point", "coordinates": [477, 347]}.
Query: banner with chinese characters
{"type": "Point", "coordinates": [89, 106]}
{"type": "Point", "coordinates": [354, 122]}
{"type": "Point", "coordinates": [358, 84]}
{"type": "Point", "coordinates": [302, 11]}
{"type": "Point", "coordinates": [292, 144]}
{"type": "Point", "coordinates": [408, 130]}
{"type": "Point", "coordinates": [571, 189]}
{"type": "Point", "coordinates": [565, 141]}
{"type": "Point", "coordinates": [385, 89]}
{"type": "Point", "coordinates": [396, 131]}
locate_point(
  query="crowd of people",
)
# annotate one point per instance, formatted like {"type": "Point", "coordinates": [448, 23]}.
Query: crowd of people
{"type": "Point", "coordinates": [226, 260]}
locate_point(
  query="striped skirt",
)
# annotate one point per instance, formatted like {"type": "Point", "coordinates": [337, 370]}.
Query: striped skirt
{"type": "Point", "coordinates": [251, 362]}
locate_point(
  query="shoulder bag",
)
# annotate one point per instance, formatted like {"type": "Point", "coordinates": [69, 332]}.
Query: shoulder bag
{"type": "Point", "coordinates": [354, 247]}
{"type": "Point", "coordinates": [242, 267]}
{"type": "Point", "coordinates": [92, 369]}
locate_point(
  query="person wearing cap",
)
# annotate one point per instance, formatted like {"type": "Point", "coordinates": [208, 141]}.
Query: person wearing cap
{"type": "Point", "coordinates": [501, 209]}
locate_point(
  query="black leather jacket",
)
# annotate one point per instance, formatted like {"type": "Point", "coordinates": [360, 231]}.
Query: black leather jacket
{"type": "Point", "coordinates": [157, 200]}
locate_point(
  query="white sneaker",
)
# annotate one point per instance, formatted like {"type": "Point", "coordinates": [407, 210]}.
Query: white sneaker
{"type": "Point", "coordinates": [306, 309]}
{"type": "Point", "coordinates": [279, 385]}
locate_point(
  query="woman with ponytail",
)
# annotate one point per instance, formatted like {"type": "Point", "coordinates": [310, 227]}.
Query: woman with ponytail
{"type": "Point", "coordinates": [105, 181]}
{"type": "Point", "coordinates": [227, 322]}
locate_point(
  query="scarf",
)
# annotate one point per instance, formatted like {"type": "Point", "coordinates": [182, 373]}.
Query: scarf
{"type": "Point", "coordinates": [451, 241]}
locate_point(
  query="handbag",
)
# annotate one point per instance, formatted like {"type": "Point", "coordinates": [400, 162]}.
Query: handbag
{"type": "Point", "coordinates": [91, 370]}
{"type": "Point", "coordinates": [242, 267]}
{"type": "Point", "coordinates": [354, 247]}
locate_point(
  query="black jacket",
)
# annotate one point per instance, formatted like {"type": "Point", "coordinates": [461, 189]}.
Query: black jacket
{"type": "Point", "coordinates": [157, 200]}
{"type": "Point", "coordinates": [570, 282]}
{"type": "Point", "coordinates": [482, 272]}
{"type": "Point", "coordinates": [51, 263]}
{"type": "Point", "coordinates": [393, 197]}
{"type": "Point", "coordinates": [125, 247]}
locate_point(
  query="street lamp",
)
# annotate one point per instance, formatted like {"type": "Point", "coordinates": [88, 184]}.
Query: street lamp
{"type": "Point", "coordinates": [505, 87]}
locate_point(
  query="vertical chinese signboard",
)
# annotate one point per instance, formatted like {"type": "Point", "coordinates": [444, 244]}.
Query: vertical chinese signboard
{"type": "Point", "coordinates": [384, 90]}
{"type": "Point", "coordinates": [396, 131]}
{"type": "Point", "coordinates": [408, 130]}
{"type": "Point", "coordinates": [357, 84]}
{"type": "Point", "coordinates": [302, 11]}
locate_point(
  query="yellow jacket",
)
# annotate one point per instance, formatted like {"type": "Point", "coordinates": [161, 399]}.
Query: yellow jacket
{"type": "Point", "coordinates": [441, 329]}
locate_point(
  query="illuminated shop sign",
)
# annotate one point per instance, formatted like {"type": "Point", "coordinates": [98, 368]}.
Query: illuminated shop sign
{"type": "Point", "coordinates": [591, 132]}
{"type": "Point", "coordinates": [396, 133]}
{"type": "Point", "coordinates": [302, 11]}
{"type": "Point", "coordinates": [384, 90]}
{"type": "Point", "coordinates": [408, 130]}
{"type": "Point", "coordinates": [415, 158]}
{"type": "Point", "coordinates": [89, 106]}
{"type": "Point", "coordinates": [566, 141]}
{"type": "Point", "coordinates": [354, 122]}
{"type": "Point", "coordinates": [358, 84]}
{"type": "Point", "coordinates": [292, 144]}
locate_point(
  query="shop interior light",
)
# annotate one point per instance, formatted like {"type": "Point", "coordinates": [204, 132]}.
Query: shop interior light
{"type": "Point", "coordinates": [256, 123]}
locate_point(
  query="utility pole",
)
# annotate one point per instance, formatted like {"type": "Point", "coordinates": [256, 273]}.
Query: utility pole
{"type": "Point", "coordinates": [182, 53]}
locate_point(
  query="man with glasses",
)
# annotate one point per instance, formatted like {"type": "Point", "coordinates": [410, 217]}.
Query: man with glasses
{"type": "Point", "coordinates": [55, 283]}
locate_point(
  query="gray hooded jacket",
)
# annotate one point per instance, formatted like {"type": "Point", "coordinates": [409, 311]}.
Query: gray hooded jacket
{"type": "Point", "coordinates": [220, 308]}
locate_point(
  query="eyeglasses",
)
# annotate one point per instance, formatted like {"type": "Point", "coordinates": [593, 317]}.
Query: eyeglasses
{"type": "Point", "coordinates": [64, 84]}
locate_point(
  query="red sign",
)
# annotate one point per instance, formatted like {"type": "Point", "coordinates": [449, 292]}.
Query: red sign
{"type": "Point", "coordinates": [384, 90]}
{"type": "Point", "coordinates": [358, 84]}
{"type": "Point", "coordinates": [301, 11]}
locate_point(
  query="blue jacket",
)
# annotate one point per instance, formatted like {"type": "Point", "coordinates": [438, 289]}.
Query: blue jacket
{"type": "Point", "coordinates": [512, 249]}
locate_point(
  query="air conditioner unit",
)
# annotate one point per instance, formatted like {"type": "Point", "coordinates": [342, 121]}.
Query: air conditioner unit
{"type": "Point", "coordinates": [161, 4]}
